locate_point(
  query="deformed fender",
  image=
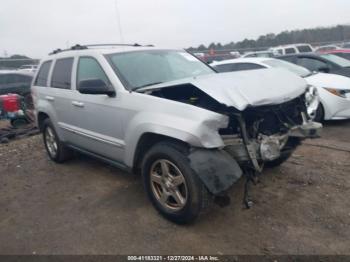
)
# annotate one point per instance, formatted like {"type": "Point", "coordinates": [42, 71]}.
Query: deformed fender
{"type": "Point", "coordinates": [217, 169]}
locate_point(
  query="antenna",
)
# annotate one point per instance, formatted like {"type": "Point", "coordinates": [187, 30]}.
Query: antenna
{"type": "Point", "coordinates": [119, 22]}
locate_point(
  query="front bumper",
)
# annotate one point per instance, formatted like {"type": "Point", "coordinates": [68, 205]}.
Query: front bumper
{"type": "Point", "coordinates": [268, 148]}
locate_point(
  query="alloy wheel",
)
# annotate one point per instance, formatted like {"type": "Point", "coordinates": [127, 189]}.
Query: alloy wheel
{"type": "Point", "coordinates": [51, 142]}
{"type": "Point", "coordinates": [168, 185]}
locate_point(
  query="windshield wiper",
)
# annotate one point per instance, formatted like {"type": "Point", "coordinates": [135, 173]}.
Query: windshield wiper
{"type": "Point", "coordinates": [150, 84]}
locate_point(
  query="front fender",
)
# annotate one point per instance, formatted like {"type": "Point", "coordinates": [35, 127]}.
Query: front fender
{"type": "Point", "coordinates": [201, 131]}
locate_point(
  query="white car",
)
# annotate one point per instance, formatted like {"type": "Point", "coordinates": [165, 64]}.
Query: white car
{"type": "Point", "coordinates": [28, 68]}
{"type": "Point", "coordinates": [334, 90]}
{"type": "Point", "coordinates": [291, 49]}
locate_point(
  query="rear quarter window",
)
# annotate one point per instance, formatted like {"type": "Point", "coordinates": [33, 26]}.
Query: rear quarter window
{"type": "Point", "coordinates": [42, 77]}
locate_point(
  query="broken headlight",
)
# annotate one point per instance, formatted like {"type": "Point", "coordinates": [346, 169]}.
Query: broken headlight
{"type": "Point", "coordinates": [312, 101]}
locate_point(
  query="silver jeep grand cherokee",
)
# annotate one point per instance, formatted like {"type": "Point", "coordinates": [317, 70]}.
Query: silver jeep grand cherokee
{"type": "Point", "coordinates": [190, 132]}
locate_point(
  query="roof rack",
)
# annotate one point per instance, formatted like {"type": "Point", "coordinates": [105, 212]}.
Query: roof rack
{"type": "Point", "coordinates": [83, 47]}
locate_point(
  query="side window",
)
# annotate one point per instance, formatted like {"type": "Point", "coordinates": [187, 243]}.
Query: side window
{"type": "Point", "coordinates": [23, 79]}
{"type": "Point", "coordinates": [26, 79]}
{"type": "Point", "coordinates": [290, 51]}
{"type": "Point", "coordinates": [237, 67]}
{"type": "Point", "coordinates": [89, 68]}
{"type": "Point", "coordinates": [248, 66]}
{"type": "Point", "coordinates": [311, 64]}
{"type": "Point", "coordinates": [41, 79]}
{"type": "Point", "coordinates": [11, 79]}
{"type": "Point", "coordinates": [2, 79]}
{"type": "Point", "coordinates": [304, 49]}
{"type": "Point", "coordinates": [226, 68]}
{"type": "Point", "coordinates": [62, 73]}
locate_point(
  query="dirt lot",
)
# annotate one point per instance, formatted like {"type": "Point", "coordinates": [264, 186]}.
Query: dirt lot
{"type": "Point", "coordinates": [87, 207]}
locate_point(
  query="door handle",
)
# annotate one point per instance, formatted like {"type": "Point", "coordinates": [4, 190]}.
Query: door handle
{"type": "Point", "coordinates": [49, 98]}
{"type": "Point", "coordinates": [78, 104]}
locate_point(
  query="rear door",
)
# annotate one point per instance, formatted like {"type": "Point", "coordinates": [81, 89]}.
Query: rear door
{"type": "Point", "coordinates": [60, 94]}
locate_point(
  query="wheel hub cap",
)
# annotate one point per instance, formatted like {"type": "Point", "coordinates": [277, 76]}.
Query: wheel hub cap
{"type": "Point", "coordinates": [51, 142]}
{"type": "Point", "coordinates": [168, 185]}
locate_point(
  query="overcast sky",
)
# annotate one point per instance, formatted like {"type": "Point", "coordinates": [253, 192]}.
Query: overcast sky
{"type": "Point", "coordinates": [35, 27]}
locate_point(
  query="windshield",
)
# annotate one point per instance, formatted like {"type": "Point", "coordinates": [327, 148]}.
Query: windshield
{"type": "Point", "coordinates": [337, 60]}
{"type": "Point", "coordinates": [143, 68]}
{"type": "Point", "coordinates": [301, 71]}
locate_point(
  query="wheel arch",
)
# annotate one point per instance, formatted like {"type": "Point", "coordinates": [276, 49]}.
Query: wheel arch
{"type": "Point", "coordinates": [146, 141]}
{"type": "Point", "coordinates": [42, 116]}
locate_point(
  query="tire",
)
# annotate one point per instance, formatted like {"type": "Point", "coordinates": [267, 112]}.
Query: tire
{"type": "Point", "coordinates": [56, 150]}
{"type": "Point", "coordinates": [288, 150]}
{"type": "Point", "coordinates": [319, 117]}
{"type": "Point", "coordinates": [163, 189]}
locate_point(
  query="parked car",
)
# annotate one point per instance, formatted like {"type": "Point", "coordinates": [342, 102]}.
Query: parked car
{"type": "Point", "coordinates": [344, 53]}
{"type": "Point", "coordinates": [346, 45]}
{"type": "Point", "coordinates": [15, 82]}
{"type": "Point", "coordinates": [326, 48]}
{"type": "Point", "coordinates": [291, 49]}
{"type": "Point", "coordinates": [325, 63]}
{"type": "Point", "coordinates": [259, 54]}
{"type": "Point", "coordinates": [235, 54]}
{"type": "Point", "coordinates": [333, 90]}
{"type": "Point", "coordinates": [30, 68]}
{"type": "Point", "coordinates": [192, 133]}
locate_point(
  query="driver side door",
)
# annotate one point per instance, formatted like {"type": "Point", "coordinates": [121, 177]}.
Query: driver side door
{"type": "Point", "coordinates": [98, 125]}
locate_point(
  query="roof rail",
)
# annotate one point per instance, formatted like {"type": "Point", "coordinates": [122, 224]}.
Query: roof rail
{"type": "Point", "coordinates": [83, 47]}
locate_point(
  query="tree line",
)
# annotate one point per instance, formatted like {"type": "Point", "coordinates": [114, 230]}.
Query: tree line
{"type": "Point", "coordinates": [16, 61]}
{"type": "Point", "coordinates": [339, 33]}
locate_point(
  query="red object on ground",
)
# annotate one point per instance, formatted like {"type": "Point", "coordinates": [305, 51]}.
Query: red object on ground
{"type": "Point", "coordinates": [10, 103]}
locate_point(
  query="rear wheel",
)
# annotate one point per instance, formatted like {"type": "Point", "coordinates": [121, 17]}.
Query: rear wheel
{"type": "Point", "coordinates": [56, 150]}
{"type": "Point", "coordinates": [172, 186]}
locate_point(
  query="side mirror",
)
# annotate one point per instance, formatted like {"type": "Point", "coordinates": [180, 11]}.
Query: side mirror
{"type": "Point", "coordinates": [324, 69]}
{"type": "Point", "coordinates": [95, 87]}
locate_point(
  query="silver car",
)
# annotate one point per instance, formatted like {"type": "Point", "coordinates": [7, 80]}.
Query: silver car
{"type": "Point", "coordinates": [190, 132]}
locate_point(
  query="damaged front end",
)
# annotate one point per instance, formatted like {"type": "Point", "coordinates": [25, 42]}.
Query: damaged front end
{"type": "Point", "coordinates": [263, 127]}
{"type": "Point", "coordinates": [264, 134]}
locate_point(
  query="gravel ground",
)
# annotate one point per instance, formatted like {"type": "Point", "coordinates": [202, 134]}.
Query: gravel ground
{"type": "Point", "coordinates": [87, 207]}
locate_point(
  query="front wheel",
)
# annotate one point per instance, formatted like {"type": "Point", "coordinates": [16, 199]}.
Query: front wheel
{"type": "Point", "coordinates": [172, 186]}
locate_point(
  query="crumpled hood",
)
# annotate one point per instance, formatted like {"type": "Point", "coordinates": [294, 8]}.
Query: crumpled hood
{"type": "Point", "coordinates": [247, 88]}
